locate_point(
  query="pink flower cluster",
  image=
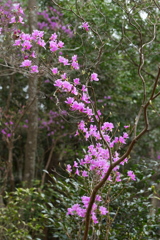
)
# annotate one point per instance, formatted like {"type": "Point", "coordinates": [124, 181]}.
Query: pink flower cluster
{"type": "Point", "coordinates": [18, 11]}
{"type": "Point", "coordinates": [82, 104]}
{"type": "Point", "coordinates": [98, 157]}
{"type": "Point", "coordinates": [52, 122]}
{"type": "Point", "coordinates": [52, 20]}
{"type": "Point", "coordinates": [7, 131]}
{"type": "Point", "coordinates": [96, 161]}
{"type": "Point", "coordinates": [81, 210]}
{"type": "Point", "coordinates": [54, 44]}
{"type": "Point", "coordinates": [27, 63]}
{"type": "Point", "coordinates": [131, 175]}
{"type": "Point", "coordinates": [25, 41]}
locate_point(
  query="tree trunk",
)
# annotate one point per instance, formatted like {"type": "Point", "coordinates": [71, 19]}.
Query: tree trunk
{"type": "Point", "coordinates": [31, 144]}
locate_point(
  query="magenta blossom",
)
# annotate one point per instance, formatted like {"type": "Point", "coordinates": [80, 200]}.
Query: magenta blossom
{"type": "Point", "coordinates": [69, 168]}
{"type": "Point", "coordinates": [26, 63]}
{"type": "Point", "coordinates": [94, 77]}
{"type": "Point", "coordinates": [103, 210]}
{"type": "Point", "coordinates": [20, 20]}
{"type": "Point", "coordinates": [34, 69]}
{"type": "Point", "coordinates": [63, 60]}
{"type": "Point", "coordinates": [54, 70]}
{"type": "Point", "coordinates": [131, 175]}
{"type": "Point", "coordinates": [85, 25]}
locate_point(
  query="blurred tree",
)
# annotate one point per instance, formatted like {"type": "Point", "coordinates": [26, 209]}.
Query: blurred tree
{"type": "Point", "coordinates": [32, 131]}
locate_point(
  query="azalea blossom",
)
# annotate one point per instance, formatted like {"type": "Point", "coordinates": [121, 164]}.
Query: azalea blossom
{"type": "Point", "coordinates": [131, 175]}
{"type": "Point", "coordinates": [103, 210]}
{"type": "Point", "coordinates": [20, 20]}
{"type": "Point", "coordinates": [85, 25]}
{"type": "Point", "coordinates": [94, 77]}
{"type": "Point", "coordinates": [54, 70]}
{"type": "Point", "coordinates": [13, 19]}
{"type": "Point", "coordinates": [63, 60]}
{"type": "Point", "coordinates": [26, 63]}
{"type": "Point", "coordinates": [34, 69]}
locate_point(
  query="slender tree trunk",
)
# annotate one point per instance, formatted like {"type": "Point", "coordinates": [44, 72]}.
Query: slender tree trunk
{"type": "Point", "coordinates": [31, 144]}
{"type": "Point", "coordinates": [10, 166]}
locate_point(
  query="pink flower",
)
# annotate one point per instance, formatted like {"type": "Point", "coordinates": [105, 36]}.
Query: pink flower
{"type": "Point", "coordinates": [98, 198]}
{"type": "Point", "coordinates": [54, 70]}
{"type": "Point", "coordinates": [74, 58]}
{"type": "Point", "coordinates": [85, 98]}
{"type": "Point", "coordinates": [37, 34]}
{"type": "Point", "coordinates": [81, 125]}
{"type": "Point", "coordinates": [122, 140]}
{"type": "Point", "coordinates": [76, 209]}
{"type": "Point", "coordinates": [78, 106]}
{"type": "Point", "coordinates": [64, 76]}
{"type": "Point", "coordinates": [3, 132]}
{"type": "Point", "coordinates": [103, 210]}
{"type": "Point", "coordinates": [53, 46]}
{"type": "Point", "coordinates": [17, 42]}
{"type": "Point", "coordinates": [25, 36]}
{"type": "Point", "coordinates": [63, 60]}
{"type": "Point", "coordinates": [26, 63]}
{"type": "Point", "coordinates": [75, 164]}
{"type": "Point", "coordinates": [16, 6]}
{"type": "Point", "coordinates": [53, 37]}
{"type": "Point", "coordinates": [13, 20]}
{"type": "Point", "coordinates": [75, 65]}
{"type": "Point", "coordinates": [70, 211]}
{"type": "Point", "coordinates": [94, 218]}
{"type": "Point", "coordinates": [94, 77]}
{"type": "Point", "coordinates": [60, 44]}
{"type": "Point", "coordinates": [77, 172]}
{"type": "Point", "coordinates": [41, 43]}
{"type": "Point", "coordinates": [125, 135]}
{"type": "Point", "coordinates": [131, 175]}
{"type": "Point", "coordinates": [33, 54]}
{"type": "Point", "coordinates": [85, 25]}
{"type": "Point", "coordinates": [34, 69]}
{"type": "Point", "coordinates": [20, 10]}
{"type": "Point", "coordinates": [67, 86]}
{"type": "Point", "coordinates": [85, 200]}
{"type": "Point", "coordinates": [69, 168]}
{"type": "Point", "coordinates": [124, 161]}
{"type": "Point", "coordinates": [118, 177]}
{"type": "Point", "coordinates": [76, 81]}
{"type": "Point", "coordinates": [84, 174]}
{"type": "Point", "coordinates": [58, 83]}
{"type": "Point", "coordinates": [84, 89]}
{"type": "Point", "coordinates": [107, 126]}
{"type": "Point", "coordinates": [88, 111]}
{"type": "Point", "coordinates": [27, 44]}
{"type": "Point", "coordinates": [74, 91]}
{"type": "Point", "coordinates": [20, 20]}
{"type": "Point", "coordinates": [69, 100]}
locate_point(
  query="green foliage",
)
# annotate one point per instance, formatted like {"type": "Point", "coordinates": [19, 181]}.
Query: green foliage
{"type": "Point", "coordinates": [35, 214]}
{"type": "Point", "coordinates": [129, 205]}
{"type": "Point", "coordinates": [25, 215]}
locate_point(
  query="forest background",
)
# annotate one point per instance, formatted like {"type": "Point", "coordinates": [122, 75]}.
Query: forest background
{"type": "Point", "coordinates": [38, 142]}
